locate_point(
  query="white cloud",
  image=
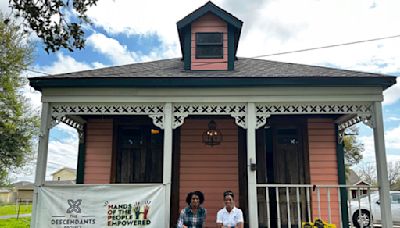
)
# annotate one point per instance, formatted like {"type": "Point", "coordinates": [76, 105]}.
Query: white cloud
{"type": "Point", "coordinates": [393, 118]}
{"type": "Point", "coordinates": [64, 64]}
{"type": "Point", "coordinates": [67, 64]}
{"type": "Point", "coordinates": [111, 48]}
{"type": "Point", "coordinates": [70, 131]}
{"type": "Point", "coordinates": [97, 65]}
{"type": "Point", "coordinates": [61, 154]}
{"type": "Point", "coordinates": [33, 97]}
{"type": "Point", "coordinates": [392, 95]}
{"type": "Point", "coordinates": [369, 150]}
{"type": "Point", "coordinates": [393, 158]}
{"type": "Point", "coordinates": [143, 17]}
{"type": "Point", "coordinates": [287, 25]}
{"type": "Point", "coordinates": [392, 138]}
{"type": "Point", "coordinates": [392, 143]}
{"type": "Point", "coordinates": [119, 53]}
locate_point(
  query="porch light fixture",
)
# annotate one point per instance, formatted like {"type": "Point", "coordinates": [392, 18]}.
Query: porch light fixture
{"type": "Point", "coordinates": [212, 136]}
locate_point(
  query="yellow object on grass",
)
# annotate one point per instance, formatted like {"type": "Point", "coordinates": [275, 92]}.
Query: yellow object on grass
{"type": "Point", "coordinates": [318, 223]}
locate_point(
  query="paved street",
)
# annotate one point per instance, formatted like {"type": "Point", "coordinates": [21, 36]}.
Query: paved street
{"type": "Point", "coordinates": [14, 216]}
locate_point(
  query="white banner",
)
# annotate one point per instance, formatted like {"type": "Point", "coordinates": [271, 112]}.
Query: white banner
{"type": "Point", "coordinates": [101, 206]}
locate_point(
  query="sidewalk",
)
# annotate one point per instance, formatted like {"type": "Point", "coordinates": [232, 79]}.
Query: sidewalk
{"type": "Point", "coordinates": [14, 216]}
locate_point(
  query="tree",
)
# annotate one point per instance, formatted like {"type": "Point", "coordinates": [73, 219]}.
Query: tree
{"type": "Point", "coordinates": [352, 148]}
{"type": "Point", "coordinates": [18, 123]}
{"type": "Point", "coordinates": [367, 173]}
{"type": "Point", "coordinates": [57, 22]}
{"type": "Point", "coordinates": [394, 173]}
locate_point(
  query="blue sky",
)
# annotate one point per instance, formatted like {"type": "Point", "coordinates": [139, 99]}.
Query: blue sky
{"type": "Point", "coordinates": [125, 32]}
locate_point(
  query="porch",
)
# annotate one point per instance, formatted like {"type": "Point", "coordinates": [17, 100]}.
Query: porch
{"type": "Point", "coordinates": [282, 210]}
{"type": "Point", "coordinates": [255, 196]}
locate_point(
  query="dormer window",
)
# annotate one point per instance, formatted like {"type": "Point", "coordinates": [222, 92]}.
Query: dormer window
{"type": "Point", "coordinates": [209, 45]}
{"type": "Point", "coordinates": [209, 39]}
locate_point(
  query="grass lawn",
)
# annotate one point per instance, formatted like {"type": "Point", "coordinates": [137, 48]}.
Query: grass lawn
{"type": "Point", "coordinates": [14, 223]}
{"type": "Point", "coordinates": [12, 210]}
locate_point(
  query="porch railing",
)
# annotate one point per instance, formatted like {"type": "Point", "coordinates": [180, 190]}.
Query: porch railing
{"type": "Point", "coordinates": [289, 205]}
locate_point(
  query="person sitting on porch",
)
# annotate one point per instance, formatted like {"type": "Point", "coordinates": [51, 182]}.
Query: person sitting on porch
{"type": "Point", "coordinates": [229, 216]}
{"type": "Point", "coordinates": [194, 215]}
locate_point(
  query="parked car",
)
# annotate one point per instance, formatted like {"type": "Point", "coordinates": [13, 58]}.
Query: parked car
{"type": "Point", "coordinates": [372, 214]}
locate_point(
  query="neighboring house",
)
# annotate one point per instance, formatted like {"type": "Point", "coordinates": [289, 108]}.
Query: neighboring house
{"type": "Point", "coordinates": [23, 191]}
{"type": "Point", "coordinates": [6, 196]}
{"type": "Point", "coordinates": [212, 122]}
{"type": "Point", "coordinates": [396, 187]}
{"type": "Point", "coordinates": [359, 187]}
{"type": "Point", "coordinates": [64, 174]}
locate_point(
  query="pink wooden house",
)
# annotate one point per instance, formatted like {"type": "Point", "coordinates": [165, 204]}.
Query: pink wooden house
{"type": "Point", "coordinates": [278, 128]}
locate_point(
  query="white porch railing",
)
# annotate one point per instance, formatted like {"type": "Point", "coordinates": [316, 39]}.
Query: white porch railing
{"type": "Point", "coordinates": [289, 205]}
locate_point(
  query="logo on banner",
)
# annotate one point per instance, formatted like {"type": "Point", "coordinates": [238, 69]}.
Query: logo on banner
{"type": "Point", "coordinates": [74, 206]}
{"type": "Point", "coordinates": [72, 219]}
{"type": "Point", "coordinates": [136, 214]}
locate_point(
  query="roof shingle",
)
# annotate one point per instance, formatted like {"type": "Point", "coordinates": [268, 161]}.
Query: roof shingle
{"type": "Point", "coordinates": [244, 68]}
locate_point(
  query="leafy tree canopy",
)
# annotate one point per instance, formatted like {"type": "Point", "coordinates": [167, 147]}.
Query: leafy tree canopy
{"type": "Point", "coordinates": [57, 22]}
{"type": "Point", "coordinates": [18, 123]}
{"type": "Point", "coordinates": [352, 147]}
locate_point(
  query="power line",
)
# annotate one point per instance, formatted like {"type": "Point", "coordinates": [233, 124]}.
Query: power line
{"type": "Point", "coordinates": [36, 71]}
{"type": "Point", "coordinates": [327, 46]}
{"type": "Point", "coordinates": [315, 48]}
{"type": "Point", "coordinates": [300, 50]}
{"type": "Point", "coordinates": [264, 55]}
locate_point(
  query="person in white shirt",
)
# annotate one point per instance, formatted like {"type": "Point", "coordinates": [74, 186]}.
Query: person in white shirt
{"type": "Point", "coordinates": [229, 216]}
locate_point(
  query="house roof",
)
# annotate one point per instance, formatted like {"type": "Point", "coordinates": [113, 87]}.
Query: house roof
{"type": "Point", "coordinates": [210, 7]}
{"type": "Point", "coordinates": [65, 168]}
{"type": "Point", "coordinates": [354, 179]}
{"type": "Point", "coordinates": [361, 182]}
{"type": "Point", "coordinates": [60, 182]}
{"type": "Point", "coordinates": [23, 185]}
{"type": "Point", "coordinates": [5, 190]}
{"type": "Point", "coordinates": [248, 72]}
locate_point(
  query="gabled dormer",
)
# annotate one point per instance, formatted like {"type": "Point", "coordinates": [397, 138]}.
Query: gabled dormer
{"type": "Point", "coordinates": [209, 38]}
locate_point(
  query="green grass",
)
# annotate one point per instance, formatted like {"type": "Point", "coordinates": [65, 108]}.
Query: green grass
{"type": "Point", "coordinates": [12, 209]}
{"type": "Point", "coordinates": [14, 223]}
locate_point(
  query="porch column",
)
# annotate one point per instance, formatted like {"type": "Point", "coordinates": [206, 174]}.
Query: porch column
{"type": "Point", "coordinates": [41, 163]}
{"type": "Point", "coordinates": [381, 167]}
{"type": "Point", "coordinates": [80, 169]}
{"type": "Point", "coordinates": [251, 159]}
{"type": "Point", "coordinates": [167, 162]}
